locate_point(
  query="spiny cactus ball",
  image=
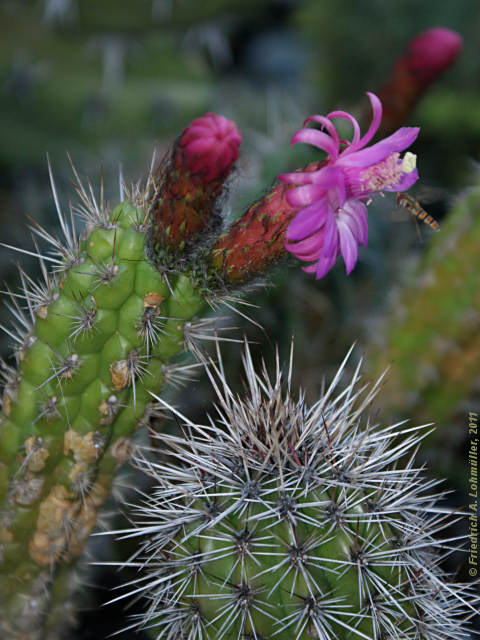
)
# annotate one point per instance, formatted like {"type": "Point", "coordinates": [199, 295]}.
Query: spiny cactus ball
{"type": "Point", "coordinates": [276, 520]}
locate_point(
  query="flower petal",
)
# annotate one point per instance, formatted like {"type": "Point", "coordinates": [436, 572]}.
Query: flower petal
{"type": "Point", "coordinates": [356, 128]}
{"type": "Point", "coordinates": [398, 141]}
{"type": "Point", "coordinates": [317, 139]}
{"type": "Point", "coordinates": [297, 177]}
{"type": "Point", "coordinates": [377, 118]}
{"type": "Point", "coordinates": [322, 176]}
{"type": "Point", "coordinates": [337, 193]}
{"type": "Point", "coordinates": [307, 249]}
{"type": "Point", "coordinates": [355, 214]}
{"type": "Point", "coordinates": [324, 264]}
{"type": "Point", "coordinates": [348, 246]}
{"type": "Point", "coordinates": [308, 221]}
{"type": "Point", "coordinates": [330, 238]}
{"type": "Point", "coordinates": [305, 195]}
{"type": "Point", "coordinates": [328, 125]}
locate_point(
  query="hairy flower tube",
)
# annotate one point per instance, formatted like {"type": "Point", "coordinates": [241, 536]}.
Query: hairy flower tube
{"type": "Point", "coordinates": [332, 200]}
{"type": "Point", "coordinates": [190, 183]}
{"type": "Point", "coordinates": [276, 520]}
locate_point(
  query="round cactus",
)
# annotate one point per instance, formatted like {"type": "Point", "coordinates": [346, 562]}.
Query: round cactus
{"type": "Point", "coordinates": [276, 520]}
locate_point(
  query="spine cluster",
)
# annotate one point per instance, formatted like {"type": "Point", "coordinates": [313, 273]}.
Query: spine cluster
{"type": "Point", "coordinates": [279, 520]}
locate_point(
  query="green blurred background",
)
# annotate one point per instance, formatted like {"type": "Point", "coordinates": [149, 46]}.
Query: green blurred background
{"type": "Point", "coordinates": [109, 80]}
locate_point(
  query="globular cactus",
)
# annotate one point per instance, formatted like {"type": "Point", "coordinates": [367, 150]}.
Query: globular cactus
{"type": "Point", "coordinates": [279, 520]}
{"type": "Point", "coordinates": [91, 339]}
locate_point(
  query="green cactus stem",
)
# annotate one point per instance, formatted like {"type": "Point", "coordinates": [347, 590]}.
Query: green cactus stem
{"type": "Point", "coordinates": [93, 338]}
{"type": "Point", "coordinates": [100, 337]}
{"type": "Point", "coordinates": [432, 333]}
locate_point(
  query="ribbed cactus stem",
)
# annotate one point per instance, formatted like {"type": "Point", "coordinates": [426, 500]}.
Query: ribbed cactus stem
{"type": "Point", "coordinates": [101, 337]}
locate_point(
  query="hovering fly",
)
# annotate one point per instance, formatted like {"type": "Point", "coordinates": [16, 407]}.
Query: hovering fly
{"type": "Point", "coordinates": [412, 205]}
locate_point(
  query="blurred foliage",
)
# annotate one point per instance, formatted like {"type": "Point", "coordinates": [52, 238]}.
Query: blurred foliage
{"type": "Point", "coordinates": [364, 37]}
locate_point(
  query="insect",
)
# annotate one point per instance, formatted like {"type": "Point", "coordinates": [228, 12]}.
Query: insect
{"type": "Point", "coordinates": [409, 203]}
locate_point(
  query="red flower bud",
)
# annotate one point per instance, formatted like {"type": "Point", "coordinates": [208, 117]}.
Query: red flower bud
{"type": "Point", "coordinates": [428, 55]}
{"type": "Point", "coordinates": [188, 184]}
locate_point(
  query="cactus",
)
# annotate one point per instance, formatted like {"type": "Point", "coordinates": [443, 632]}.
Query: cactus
{"type": "Point", "coordinates": [431, 332]}
{"type": "Point", "coordinates": [279, 520]}
{"type": "Point", "coordinates": [94, 338]}
{"type": "Point", "coordinates": [101, 332]}
{"type": "Point", "coordinates": [98, 333]}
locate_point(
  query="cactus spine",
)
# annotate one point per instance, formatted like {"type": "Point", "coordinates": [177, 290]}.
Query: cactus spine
{"type": "Point", "coordinates": [278, 520]}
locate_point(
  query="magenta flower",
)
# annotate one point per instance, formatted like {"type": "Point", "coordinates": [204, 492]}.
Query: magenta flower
{"type": "Point", "coordinates": [333, 215]}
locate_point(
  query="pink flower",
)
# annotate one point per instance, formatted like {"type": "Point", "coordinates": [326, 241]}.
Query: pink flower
{"type": "Point", "coordinates": [333, 215]}
{"type": "Point", "coordinates": [210, 146]}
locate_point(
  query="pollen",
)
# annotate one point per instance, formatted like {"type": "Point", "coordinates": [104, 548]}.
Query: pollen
{"type": "Point", "coordinates": [385, 174]}
{"type": "Point", "coordinates": [409, 162]}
